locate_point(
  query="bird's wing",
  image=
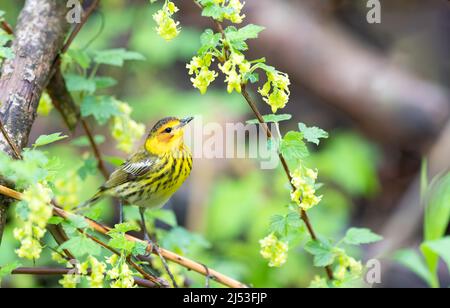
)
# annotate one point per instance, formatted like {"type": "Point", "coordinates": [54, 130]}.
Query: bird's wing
{"type": "Point", "coordinates": [136, 166]}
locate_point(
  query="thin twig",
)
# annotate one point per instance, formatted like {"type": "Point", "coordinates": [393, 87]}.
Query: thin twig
{"type": "Point", "coordinates": [257, 113]}
{"type": "Point", "coordinates": [98, 155]}
{"type": "Point", "coordinates": [48, 271]}
{"type": "Point", "coordinates": [171, 256]}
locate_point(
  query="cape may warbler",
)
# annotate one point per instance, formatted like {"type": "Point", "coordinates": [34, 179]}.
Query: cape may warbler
{"type": "Point", "coordinates": [154, 173]}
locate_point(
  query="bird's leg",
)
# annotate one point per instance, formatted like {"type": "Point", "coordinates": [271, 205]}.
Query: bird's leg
{"type": "Point", "coordinates": [155, 247]}
{"type": "Point", "coordinates": [120, 211]}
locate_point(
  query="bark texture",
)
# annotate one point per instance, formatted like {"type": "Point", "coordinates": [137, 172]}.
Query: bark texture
{"type": "Point", "coordinates": [40, 34]}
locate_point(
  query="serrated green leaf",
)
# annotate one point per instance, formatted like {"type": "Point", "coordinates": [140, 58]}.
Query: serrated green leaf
{"type": "Point", "coordinates": [120, 242]}
{"type": "Point", "coordinates": [140, 248]}
{"type": "Point", "coordinates": [271, 118]}
{"type": "Point", "coordinates": [209, 40]}
{"type": "Point", "coordinates": [101, 107]}
{"type": "Point", "coordinates": [55, 220]}
{"type": "Point", "coordinates": [103, 82]}
{"type": "Point", "coordinates": [322, 252]}
{"type": "Point", "coordinates": [116, 57]}
{"type": "Point", "coordinates": [47, 139]}
{"type": "Point", "coordinates": [78, 221]}
{"type": "Point", "coordinates": [81, 245]}
{"type": "Point", "coordinates": [124, 228]}
{"type": "Point", "coordinates": [80, 56]}
{"type": "Point", "coordinates": [292, 147]}
{"type": "Point", "coordinates": [312, 134]}
{"type": "Point", "coordinates": [357, 236]}
{"type": "Point", "coordinates": [77, 83]}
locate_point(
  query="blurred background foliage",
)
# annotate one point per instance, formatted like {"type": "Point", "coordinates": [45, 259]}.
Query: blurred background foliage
{"type": "Point", "coordinates": [228, 204]}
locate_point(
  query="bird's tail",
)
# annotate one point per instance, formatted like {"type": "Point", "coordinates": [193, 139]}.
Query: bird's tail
{"type": "Point", "coordinates": [91, 201]}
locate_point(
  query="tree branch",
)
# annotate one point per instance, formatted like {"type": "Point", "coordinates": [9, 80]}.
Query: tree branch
{"type": "Point", "coordinates": [41, 29]}
{"type": "Point", "coordinates": [48, 271]}
{"type": "Point", "coordinates": [168, 255]}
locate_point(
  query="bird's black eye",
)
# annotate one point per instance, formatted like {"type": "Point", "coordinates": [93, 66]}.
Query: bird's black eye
{"type": "Point", "coordinates": [168, 130]}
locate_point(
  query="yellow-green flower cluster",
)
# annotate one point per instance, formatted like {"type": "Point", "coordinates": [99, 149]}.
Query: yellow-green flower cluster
{"type": "Point", "coordinates": [304, 195]}
{"type": "Point", "coordinates": [167, 27]}
{"type": "Point", "coordinates": [45, 105]}
{"type": "Point", "coordinates": [274, 250]}
{"type": "Point", "coordinates": [233, 10]}
{"type": "Point", "coordinates": [275, 91]}
{"type": "Point", "coordinates": [37, 198]}
{"type": "Point", "coordinates": [125, 130]}
{"type": "Point", "coordinates": [98, 269]}
{"type": "Point", "coordinates": [120, 274]}
{"type": "Point", "coordinates": [318, 283]}
{"type": "Point", "coordinates": [68, 189]}
{"type": "Point", "coordinates": [199, 66]}
{"type": "Point", "coordinates": [69, 281]}
{"type": "Point", "coordinates": [347, 266]}
{"type": "Point", "coordinates": [229, 68]}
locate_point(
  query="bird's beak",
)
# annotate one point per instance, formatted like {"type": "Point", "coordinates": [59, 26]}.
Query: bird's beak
{"type": "Point", "coordinates": [185, 121]}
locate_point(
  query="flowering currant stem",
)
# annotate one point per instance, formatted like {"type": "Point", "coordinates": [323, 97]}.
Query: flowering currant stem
{"type": "Point", "coordinates": [251, 103]}
{"type": "Point", "coordinates": [171, 256]}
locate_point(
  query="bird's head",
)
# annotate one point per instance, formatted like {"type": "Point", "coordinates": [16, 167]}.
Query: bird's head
{"type": "Point", "coordinates": [167, 135]}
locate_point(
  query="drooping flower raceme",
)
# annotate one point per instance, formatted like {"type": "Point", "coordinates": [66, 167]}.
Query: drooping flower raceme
{"type": "Point", "coordinates": [120, 274]}
{"type": "Point", "coordinates": [199, 67]}
{"type": "Point", "coordinates": [275, 91]}
{"type": "Point", "coordinates": [167, 27]}
{"type": "Point", "coordinates": [125, 130]}
{"type": "Point", "coordinates": [230, 69]}
{"type": "Point", "coordinates": [304, 195]}
{"type": "Point", "coordinates": [274, 250]}
{"type": "Point", "coordinates": [37, 199]}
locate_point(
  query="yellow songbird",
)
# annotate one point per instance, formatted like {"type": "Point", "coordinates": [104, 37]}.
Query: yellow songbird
{"type": "Point", "coordinates": [154, 173]}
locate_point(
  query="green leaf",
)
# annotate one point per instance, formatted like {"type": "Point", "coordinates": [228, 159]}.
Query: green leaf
{"type": "Point", "coordinates": [237, 37]}
{"type": "Point", "coordinates": [412, 260]}
{"type": "Point", "coordinates": [104, 82]}
{"type": "Point", "coordinates": [77, 83]}
{"type": "Point", "coordinates": [47, 139]}
{"type": "Point", "coordinates": [437, 210]}
{"type": "Point", "coordinates": [215, 11]}
{"type": "Point", "coordinates": [140, 248]}
{"type": "Point", "coordinates": [81, 57]}
{"type": "Point", "coordinates": [89, 167]}
{"type": "Point", "coordinates": [116, 57]}
{"type": "Point", "coordinates": [209, 40]}
{"type": "Point", "coordinates": [180, 240]}
{"type": "Point", "coordinates": [357, 236]}
{"type": "Point", "coordinates": [81, 245]}
{"type": "Point", "coordinates": [83, 141]}
{"type": "Point", "coordinates": [124, 228]}
{"type": "Point", "coordinates": [292, 147]}
{"type": "Point", "coordinates": [442, 248]}
{"type": "Point", "coordinates": [312, 134]}
{"type": "Point", "coordinates": [7, 269]}
{"type": "Point", "coordinates": [284, 224]}
{"type": "Point", "coordinates": [271, 118]}
{"type": "Point", "coordinates": [55, 220]}
{"type": "Point", "coordinates": [120, 242]}
{"type": "Point", "coordinates": [322, 252]}
{"type": "Point", "coordinates": [101, 107]}
{"type": "Point", "coordinates": [78, 221]}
